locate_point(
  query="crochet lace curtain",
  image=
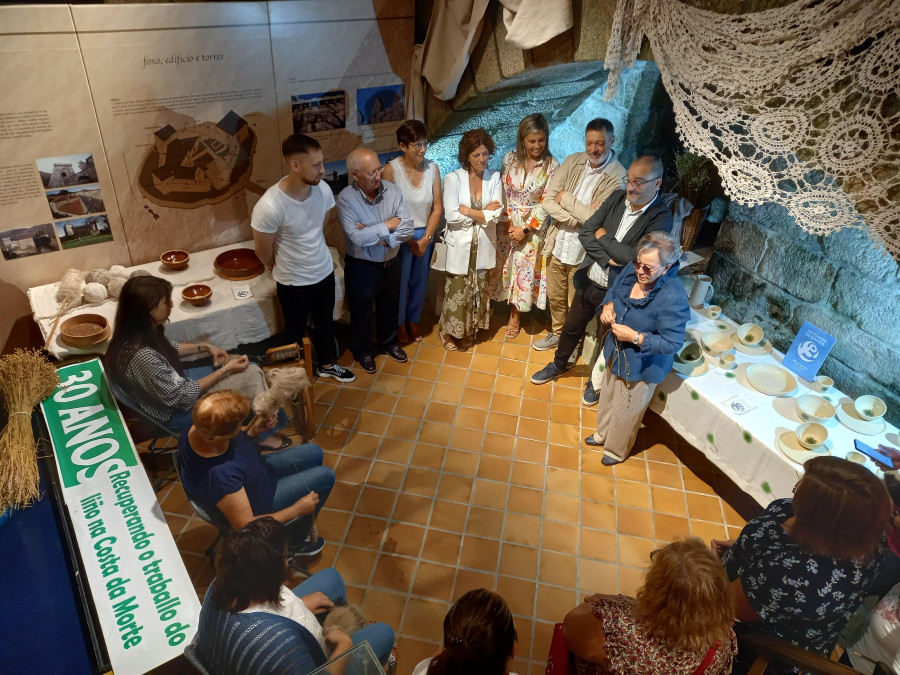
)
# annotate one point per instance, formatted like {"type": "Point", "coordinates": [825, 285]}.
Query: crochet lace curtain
{"type": "Point", "coordinates": [797, 106]}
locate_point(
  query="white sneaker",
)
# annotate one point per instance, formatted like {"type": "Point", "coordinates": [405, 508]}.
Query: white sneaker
{"type": "Point", "coordinates": [546, 343]}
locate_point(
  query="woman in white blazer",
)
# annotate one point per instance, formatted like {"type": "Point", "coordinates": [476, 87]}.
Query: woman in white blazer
{"type": "Point", "coordinates": [473, 202]}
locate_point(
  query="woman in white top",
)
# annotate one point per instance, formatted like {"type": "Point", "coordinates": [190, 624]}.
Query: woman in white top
{"type": "Point", "coordinates": [419, 180]}
{"type": "Point", "coordinates": [473, 202]}
{"type": "Point", "coordinates": [479, 638]}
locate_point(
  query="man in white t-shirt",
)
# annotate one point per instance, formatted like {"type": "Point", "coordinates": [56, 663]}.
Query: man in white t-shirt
{"type": "Point", "coordinates": [288, 234]}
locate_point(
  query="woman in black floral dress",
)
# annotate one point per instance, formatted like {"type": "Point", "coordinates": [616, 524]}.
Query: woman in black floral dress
{"type": "Point", "coordinates": [801, 568]}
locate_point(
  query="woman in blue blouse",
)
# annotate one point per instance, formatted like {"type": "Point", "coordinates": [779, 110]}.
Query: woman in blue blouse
{"type": "Point", "coordinates": [801, 569]}
{"type": "Point", "coordinates": [647, 311]}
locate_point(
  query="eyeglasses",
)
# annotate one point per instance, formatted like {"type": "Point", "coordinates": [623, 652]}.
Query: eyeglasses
{"type": "Point", "coordinates": [640, 183]}
{"type": "Point", "coordinates": [646, 269]}
{"type": "Point", "coordinates": [419, 145]}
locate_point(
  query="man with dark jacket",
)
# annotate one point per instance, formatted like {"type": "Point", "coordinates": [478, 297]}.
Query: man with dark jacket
{"type": "Point", "coordinates": [610, 238]}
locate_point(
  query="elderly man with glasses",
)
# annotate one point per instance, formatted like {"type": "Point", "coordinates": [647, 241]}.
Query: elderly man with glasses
{"type": "Point", "coordinates": [610, 239]}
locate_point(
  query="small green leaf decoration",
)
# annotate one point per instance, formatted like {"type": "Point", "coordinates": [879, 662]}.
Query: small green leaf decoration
{"type": "Point", "coordinates": [722, 326]}
{"type": "Point", "coordinates": [766, 488]}
{"type": "Point", "coordinates": [661, 395]}
{"type": "Point", "coordinates": [729, 374]}
{"type": "Point", "coordinates": [695, 396]}
{"type": "Point", "coordinates": [710, 438]}
{"type": "Point", "coordinates": [748, 437]}
{"type": "Point", "coordinates": [600, 367]}
{"type": "Point", "coordinates": [827, 398]}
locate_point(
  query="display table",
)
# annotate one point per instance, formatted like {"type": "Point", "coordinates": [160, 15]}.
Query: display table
{"type": "Point", "coordinates": [744, 446]}
{"type": "Point", "coordinates": [225, 321]}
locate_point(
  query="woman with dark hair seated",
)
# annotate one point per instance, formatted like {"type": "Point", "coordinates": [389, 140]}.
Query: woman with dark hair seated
{"type": "Point", "coordinates": [251, 622]}
{"type": "Point", "coordinates": [801, 569]}
{"type": "Point", "coordinates": [220, 466]}
{"type": "Point", "coordinates": [679, 623]}
{"type": "Point", "coordinates": [146, 364]}
{"type": "Point", "coordinates": [479, 638]}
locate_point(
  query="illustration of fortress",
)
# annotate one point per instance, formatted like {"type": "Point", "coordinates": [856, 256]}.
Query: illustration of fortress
{"type": "Point", "coordinates": [203, 163]}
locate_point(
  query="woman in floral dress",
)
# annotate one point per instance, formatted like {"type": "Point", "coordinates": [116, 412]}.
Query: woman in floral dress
{"type": "Point", "coordinates": [679, 623]}
{"type": "Point", "coordinates": [473, 202]}
{"type": "Point", "coordinates": [525, 175]}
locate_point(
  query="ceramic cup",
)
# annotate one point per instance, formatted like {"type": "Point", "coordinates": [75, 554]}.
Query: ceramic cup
{"type": "Point", "coordinates": [750, 334]}
{"type": "Point", "coordinates": [727, 362]}
{"type": "Point", "coordinates": [811, 435]}
{"type": "Point", "coordinates": [702, 290]}
{"type": "Point", "coordinates": [713, 311]}
{"type": "Point", "coordinates": [823, 383]}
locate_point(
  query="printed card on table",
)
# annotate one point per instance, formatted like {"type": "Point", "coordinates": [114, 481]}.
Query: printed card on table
{"type": "Point", "coordinates": [739, 405]}
{"type": "Point", "coordinates": [242, 292]}
{"type": "Point", "coordinates": [808, 351]}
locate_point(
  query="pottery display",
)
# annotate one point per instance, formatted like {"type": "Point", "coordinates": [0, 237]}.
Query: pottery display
{"type": "Point", "coordinates": [811, 435]}
{"type": "Point", "coordinates": [790, 447]}
{"type": "Point", "coordinates": [813, 408]}
{"type": "Point", "coordinates": [763, 348]}
{"type": "Point", "coordinates": [175, 259]}
{"type": "Point", "coordinates": [238, 264]}
{"type": "Point", "coordinates": [770, 380]}
{"type": "Point", "coordinates": [870, 407]}
{"type": "Point", "coordinates": [848, 416]}
{"type": "Point", "coordinates": [750, 334]}
{"type": "Point", "coordinates": [689, 359]}
{"type": "Point", "coordinates": [727, 362]}
{"type": "Point", "coordinates": [197, 294]}
{"type": "Point", "coordinates": [822, 383]}
{"type": "Point", "coordinates": [716, 343]}
{"type": "Point", "coordinates": [702, 290]}
{"type": "Point", "coordinates": [713, 311]}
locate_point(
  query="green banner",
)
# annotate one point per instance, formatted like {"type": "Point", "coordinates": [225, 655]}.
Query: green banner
{"type": "Point", "coordinates": [88, 433]}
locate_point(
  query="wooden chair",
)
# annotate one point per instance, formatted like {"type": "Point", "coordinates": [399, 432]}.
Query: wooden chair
{"type": "Point", "coordinates": [770, 649]}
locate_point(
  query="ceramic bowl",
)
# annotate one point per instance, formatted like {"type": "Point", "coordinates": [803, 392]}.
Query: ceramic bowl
{"type": "Point", "coordinates": [713, 311]}
{"type": "Point", "coordinates": [812, 408]}
{"type": "Point", "coordinates": [84, 330]}
{"type": "Point", "coordinates": [690, 353]}
{"type": "Point", "coordinates": [175, 259]}
{"type": "Point", "coordinates": [716, 343]}
{"type": "Point", "coordinates": [727, 361]}
{"type": "Point", "coordinates": [750, 334]}
{"type": "Point", "coordinates": [197, 294]}
{"type": "Point", "coordinates": [811, 435]}
{"type": "Point", "coordinates": [823, 383]}
{"type": "Point", "coordinates": [870, 407]}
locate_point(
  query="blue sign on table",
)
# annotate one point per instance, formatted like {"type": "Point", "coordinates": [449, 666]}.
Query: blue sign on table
{"type": "Point", "coordinates": [808, 351]}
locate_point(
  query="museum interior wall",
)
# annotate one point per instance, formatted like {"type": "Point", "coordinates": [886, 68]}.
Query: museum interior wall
{"type": "Point", "coordinates": [766, 269]}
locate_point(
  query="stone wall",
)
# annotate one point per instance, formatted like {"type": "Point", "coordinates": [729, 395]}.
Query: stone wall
{"type": "Point", "coordinates": [767, 270]}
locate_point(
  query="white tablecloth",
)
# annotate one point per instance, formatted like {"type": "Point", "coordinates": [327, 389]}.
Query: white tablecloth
{"type": "Point", "coordinates": [744, 446]}
{"type": "Point", "coordinates": [226, 321]}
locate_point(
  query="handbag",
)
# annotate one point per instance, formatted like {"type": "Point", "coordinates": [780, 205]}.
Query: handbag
{"type": "Point", "coordinates": [439, 254]}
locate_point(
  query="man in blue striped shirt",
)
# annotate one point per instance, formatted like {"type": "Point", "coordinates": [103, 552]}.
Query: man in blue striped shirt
{"type": "Point", "coordinates": [375, 222]}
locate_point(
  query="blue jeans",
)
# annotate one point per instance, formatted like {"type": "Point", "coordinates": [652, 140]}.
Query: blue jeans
{"type": "Point", "coordinates": [299, 471]}
{"type": "Point", "coordinates": [380, 636]}
{"type": "Point", "coordinates": [413, 280]}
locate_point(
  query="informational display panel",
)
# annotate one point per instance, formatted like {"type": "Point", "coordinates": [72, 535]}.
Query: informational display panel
{"type": "Point", "coordinates": [186, 103]}
{"type": "Point", "coordinates": [145, 602]}
{"type": "Point", "coordinates": [57, 204]}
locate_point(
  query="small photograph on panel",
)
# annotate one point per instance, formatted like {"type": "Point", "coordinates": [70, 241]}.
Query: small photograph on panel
{"type": "Point", "coordinates": [336, 176]}
{"type": "Point", "coordinates": [324, 111]}
{"type": "Point", "coordinates": [75, 201]}
{"type": "Point", "coordinates": [25, 241]}
{"type": "Point", "coordinates": [84, 231]}
{"type": "Point", "coordinates": [57, 172]}
{"type": "Point", "coordinates": [375, 105]}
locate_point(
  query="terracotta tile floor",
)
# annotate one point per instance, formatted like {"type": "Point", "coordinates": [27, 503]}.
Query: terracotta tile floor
{"type": "Point", "coordinates": [455, 472]}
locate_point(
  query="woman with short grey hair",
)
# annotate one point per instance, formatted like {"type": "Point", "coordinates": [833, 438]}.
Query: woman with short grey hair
{"type": "Point", "coordinates": [647, 312]}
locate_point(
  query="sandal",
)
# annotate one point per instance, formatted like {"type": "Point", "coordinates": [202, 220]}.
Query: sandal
{"type": "Point", "coordinates": [449, 343]}
{"type": "Point", "coordinates": [513, 331]}
{"type": "Point", "coordinates": [285, 443]}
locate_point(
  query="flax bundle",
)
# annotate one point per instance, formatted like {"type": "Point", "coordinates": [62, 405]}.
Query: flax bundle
{"type": "Point", "coordinates": [26, 379]}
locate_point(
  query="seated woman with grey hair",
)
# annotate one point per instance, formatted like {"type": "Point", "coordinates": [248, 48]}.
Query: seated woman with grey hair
{"type": "Point", "coordinates": [647, 311]}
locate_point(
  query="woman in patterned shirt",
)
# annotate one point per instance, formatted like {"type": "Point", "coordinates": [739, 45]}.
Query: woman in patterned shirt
{"type": "Point", "coordinates": [801, 569]}
{"type": "Point", "coordinates": [147, 364]}
{"type": "Point", "coordinates": [679, 623]}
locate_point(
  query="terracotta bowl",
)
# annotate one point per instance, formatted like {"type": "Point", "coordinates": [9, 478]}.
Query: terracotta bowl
{"type": "Point", "coordinates": [84, 330]}
{"type": "Point", "coordinates": [176, 259]}
{"type": "Point", "coordinates": [197, 294]}
{"type": "Point", "coordinates": [238, 264]}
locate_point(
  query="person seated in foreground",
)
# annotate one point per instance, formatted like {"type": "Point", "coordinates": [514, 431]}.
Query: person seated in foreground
{"type": "Point", "coordinates": [800, 570]}
{"type": "Point", "coordinates": [146, 364]}
{"type": "Point", "coordinates": [251, 622]}
{"type": "Point", "coordinates": [479, 638]}
{"type": "Point", "coordinates": [221, 466]}
{"type": "Point", "coordinates": [679, 623]}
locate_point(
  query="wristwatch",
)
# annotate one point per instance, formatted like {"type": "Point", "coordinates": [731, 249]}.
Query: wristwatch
{"type": "Point", "coordinates": [637, 338]}
{"type": "Point", "coordinates": [526, 230]}
{"type": "Point", "coordinates": [429, 237]}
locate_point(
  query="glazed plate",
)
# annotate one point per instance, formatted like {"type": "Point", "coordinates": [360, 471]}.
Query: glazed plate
{"type": "Point", "coordinates": [848, 416]}
{"type": "Point", "coordinates": [763, 348]}
{"type": "Point", "coordinates": [790, 447]}
{"type": "Point", "coordinates": [770, 380]}
{"type": "Point", "coordinates": [238, 264]}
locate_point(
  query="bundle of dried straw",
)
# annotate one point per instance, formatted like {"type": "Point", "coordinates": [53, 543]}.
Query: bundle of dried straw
{"type": "Point", "coordinates": [26, 379]}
